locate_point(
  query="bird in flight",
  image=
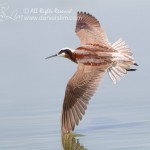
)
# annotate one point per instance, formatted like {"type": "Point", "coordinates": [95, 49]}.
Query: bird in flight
{"type": "Point", "coordinates": [93, 57]}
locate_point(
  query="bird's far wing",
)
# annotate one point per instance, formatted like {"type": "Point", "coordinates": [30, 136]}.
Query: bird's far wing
{"type": "Point", "coordinates": [79, 90]}
{"type": "Point", "coordinates": [89, 30]}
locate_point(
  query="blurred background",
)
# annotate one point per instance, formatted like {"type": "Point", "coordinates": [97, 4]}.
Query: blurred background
{"type": "Point", "coordinates": [32, 88]}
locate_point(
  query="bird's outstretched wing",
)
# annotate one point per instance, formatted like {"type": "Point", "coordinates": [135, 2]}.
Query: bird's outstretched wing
{"type": "Point", "coordinates": [89, 30]}
{"type": "Point", "coordinates": [79, 90]}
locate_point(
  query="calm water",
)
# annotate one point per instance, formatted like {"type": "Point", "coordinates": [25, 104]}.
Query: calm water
{"type": "Point", "coordinates": [32, 88]}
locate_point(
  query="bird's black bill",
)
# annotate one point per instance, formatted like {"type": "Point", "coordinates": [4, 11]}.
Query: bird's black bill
{"type": "Point", "coordinates": [51, 56]}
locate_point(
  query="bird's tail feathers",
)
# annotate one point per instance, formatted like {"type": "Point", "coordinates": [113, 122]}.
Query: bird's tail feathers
{"type": "Point", "coordinates": [122, 61]}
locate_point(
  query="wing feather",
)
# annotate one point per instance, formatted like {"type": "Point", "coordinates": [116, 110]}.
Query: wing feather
{"type": "Point", "coordinates": [75, 115]}
{"type": "Point", "coordinates": [78, 113]}
{"type": "Point", "coordinates": [89, 29]}
{"type": "Point", "coordinates": [79, 90]}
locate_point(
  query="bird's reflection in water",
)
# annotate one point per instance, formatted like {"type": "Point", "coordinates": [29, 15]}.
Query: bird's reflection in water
{"type": "Point", "coordinates": [70, 142]}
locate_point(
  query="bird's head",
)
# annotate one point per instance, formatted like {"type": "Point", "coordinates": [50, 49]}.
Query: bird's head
{"type": "Point", "coordinates": [65, 52]}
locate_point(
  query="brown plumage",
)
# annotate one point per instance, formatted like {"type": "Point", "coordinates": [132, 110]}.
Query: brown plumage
{"type": "Point", "coordinates": [94, 57]}
{"type": "Point", "coordinates": [89, 30]}
{"type": "Point", "coordinates": [79, 90]}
